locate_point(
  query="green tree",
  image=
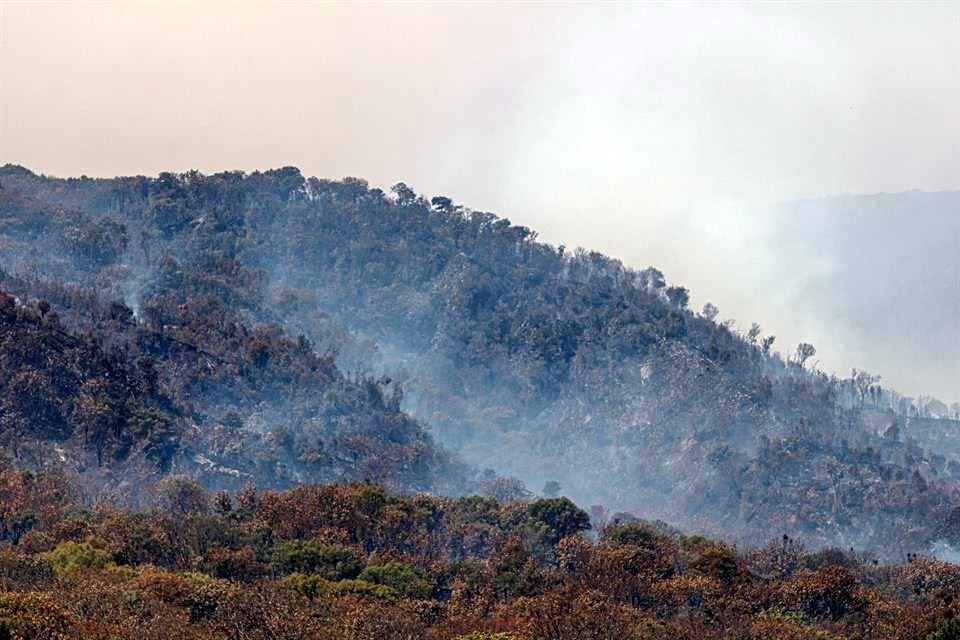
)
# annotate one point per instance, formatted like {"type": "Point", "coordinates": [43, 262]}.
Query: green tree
{"type": "Point", "coordinates": [402, 578]}
{"type": "Point", "coordinates": [332, 562]}
{"type": "Point", "coordinates": [70, 556]}
{"type": "Point", "coordinates": [555, 518]}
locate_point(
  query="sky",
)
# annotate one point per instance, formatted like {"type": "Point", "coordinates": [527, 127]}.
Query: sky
{"type": "Point", "coordinates": [659, 134]}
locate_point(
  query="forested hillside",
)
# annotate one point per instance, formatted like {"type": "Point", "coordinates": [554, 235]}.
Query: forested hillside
{"type": "Point", "coordinates": [557, 367]}
{"type": "Point", "coordinates": [117, 400]}
{"type": "Point", "coordinates": [127, 403]}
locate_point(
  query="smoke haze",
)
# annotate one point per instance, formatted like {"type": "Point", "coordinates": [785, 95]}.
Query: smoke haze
{"type": "Point", "coordinates": [662, 135]}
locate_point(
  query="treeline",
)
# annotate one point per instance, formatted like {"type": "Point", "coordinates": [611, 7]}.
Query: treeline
{"type": "Point", "coordinates": [355, 562]}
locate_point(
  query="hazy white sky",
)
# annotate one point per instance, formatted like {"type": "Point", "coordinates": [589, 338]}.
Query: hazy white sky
{"type": "Point", "coordinates": [655, 133]}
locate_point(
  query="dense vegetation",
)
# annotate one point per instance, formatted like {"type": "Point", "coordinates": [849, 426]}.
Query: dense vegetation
{"type": "Point", "coordinates": [564, 369]}
{"type": "Point", "coordinates": [122, 403]}
{"type": "Point", "coordinates": [354, 562]}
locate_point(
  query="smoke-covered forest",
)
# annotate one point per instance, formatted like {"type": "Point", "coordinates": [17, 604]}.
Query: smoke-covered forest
{"type": "Point", "coordinates": [194, 369]}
